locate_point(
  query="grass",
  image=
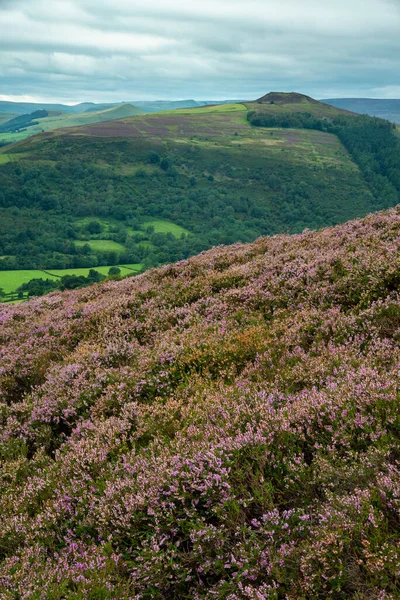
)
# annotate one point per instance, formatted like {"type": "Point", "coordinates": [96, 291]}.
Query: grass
{"type": "Point", "coordinates": [217, 108]}
{"type": "Point", "coordinates": [161, 226]}
{"type": "Point", "coordinates": [125, 270]}
{"type": "Point", "coordinates": [10, 281]}
{"type": "Point", "coordinates": [102, 245]}
{"type": "Point", "coordinates": [5, 158]}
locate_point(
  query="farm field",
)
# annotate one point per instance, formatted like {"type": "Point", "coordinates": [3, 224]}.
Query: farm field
{"type": "Point", "coordinates": [161, 226]}
{"type": "Point", "coordinates": [102, 245]}
{"type": "Point", "coordinates": [10, 281]}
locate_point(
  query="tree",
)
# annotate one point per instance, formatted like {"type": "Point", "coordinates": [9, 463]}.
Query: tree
{"type": "Point", "coordinates": [94, 227]}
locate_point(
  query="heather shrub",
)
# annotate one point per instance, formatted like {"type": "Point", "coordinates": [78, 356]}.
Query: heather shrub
{"type": "Point", "coordinates": [226, 427]}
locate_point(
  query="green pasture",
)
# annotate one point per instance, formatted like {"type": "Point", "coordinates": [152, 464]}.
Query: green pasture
{"type": "Point", "coordinates": [10, 281]}
{"type": "Point", "coordinates": [161, 226]}
{"type": "Point", "coordinates": [102, 245]}
{"type": "Point", "coordinates": [125, 270]}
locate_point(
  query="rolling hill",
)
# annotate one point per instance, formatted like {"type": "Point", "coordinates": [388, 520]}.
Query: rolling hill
{"type": "Point", "coordinates": [88, 195]}
{"type": "Point", "coordinates": [59, 120]}
{"type": "Point", "coordinates": [225, 427]}
{"type": "Point", "coordinates": [204, 169]}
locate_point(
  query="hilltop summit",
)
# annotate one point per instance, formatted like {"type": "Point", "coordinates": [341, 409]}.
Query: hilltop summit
{"type": "Point", "coordinates": [286, 98]}
{"type": "Point", "coordinates": [293, 102]}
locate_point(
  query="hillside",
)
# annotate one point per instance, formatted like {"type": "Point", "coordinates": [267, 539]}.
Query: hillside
{"type": "Point", "coordinates": [384, 109]}
{"type": "Point", "coordinates": [206, 170]}
{"type": "Point", "coordinates": [225, 427]}
{"type": "Point", "coordinates": [49, 121]}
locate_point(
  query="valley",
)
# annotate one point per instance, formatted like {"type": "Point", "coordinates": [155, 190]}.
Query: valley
{"type": "Point", "coordinates": [165, 186]}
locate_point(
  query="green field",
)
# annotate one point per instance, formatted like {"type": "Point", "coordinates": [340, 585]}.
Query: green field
{"type": "Point", "coordinates": [161, 226]}
{"type": "Point", "coordinates": [101, 245]}
{"type": "Point", "coordinates": [10, 281]}
{"type": "Point", "coordinates": [125, 270]}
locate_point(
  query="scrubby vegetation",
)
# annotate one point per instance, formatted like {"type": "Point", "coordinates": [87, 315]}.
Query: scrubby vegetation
{"type": "Point", "coordinates": [226, 427]}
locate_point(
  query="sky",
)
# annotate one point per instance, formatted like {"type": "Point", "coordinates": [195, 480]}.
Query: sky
{"type": "Point", "coordinates": [124, 50]}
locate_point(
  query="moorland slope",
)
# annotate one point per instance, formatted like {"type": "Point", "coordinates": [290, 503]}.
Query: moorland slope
{"type": "Point", "coordinates": [225, 427]}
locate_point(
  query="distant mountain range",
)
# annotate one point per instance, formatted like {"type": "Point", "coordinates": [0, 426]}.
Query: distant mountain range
{"type": "Point", "coordinates": [385, 109]}
{"type": "Point", "coordinates": [22, 108]}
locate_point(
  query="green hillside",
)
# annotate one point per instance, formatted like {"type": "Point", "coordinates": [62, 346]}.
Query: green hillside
{"type": "Point", "coordinates": [92, 195]}
{"type": "Point", "coordinates": [60, 120]}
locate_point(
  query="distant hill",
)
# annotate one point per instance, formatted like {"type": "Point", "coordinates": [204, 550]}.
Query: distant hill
{"type": "Point", "coordinates": [385, 109]}
{"type": "Point", "coordinates": [292, 102]}
{"type": "Point", "coordinates": [23, 121]}
{"type": "Point", "coordinates": [4, 117]}
{"type": "Point", "coordinates": [22, 108]}
{"type": "Point", "coordinates": [40, 121]}
{"type": "Point", "coordinates": [286, 98]}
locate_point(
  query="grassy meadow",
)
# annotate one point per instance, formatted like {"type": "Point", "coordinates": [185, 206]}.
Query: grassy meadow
{"type": "Point", "coordinates": [10, 281]}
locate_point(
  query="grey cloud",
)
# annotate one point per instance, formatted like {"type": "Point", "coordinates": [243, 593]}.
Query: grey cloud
{"type": "Point", "coordinates": [73, 50]}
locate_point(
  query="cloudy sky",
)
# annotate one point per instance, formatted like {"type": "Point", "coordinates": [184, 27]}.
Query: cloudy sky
{"type": "Point", "coordinates": [123, 50]}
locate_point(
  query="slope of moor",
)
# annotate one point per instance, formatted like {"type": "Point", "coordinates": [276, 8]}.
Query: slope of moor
{"type": "Point", "coordinates": [225, 427]}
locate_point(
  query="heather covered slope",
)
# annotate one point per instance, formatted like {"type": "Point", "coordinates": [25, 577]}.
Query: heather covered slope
{"type": "Point", "coordinates": [225, 427]}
